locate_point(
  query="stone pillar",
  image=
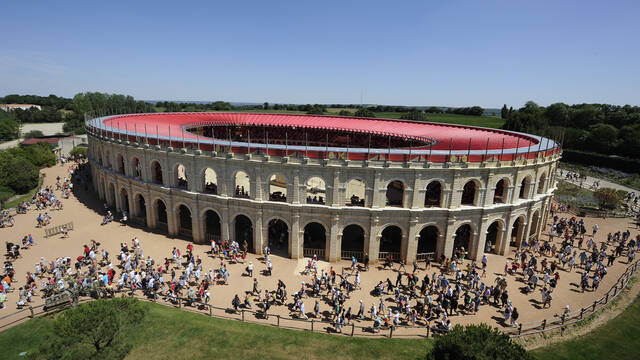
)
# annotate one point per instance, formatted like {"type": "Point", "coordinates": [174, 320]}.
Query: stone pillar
{"type": "Point", "coordinates": [372, 247]}
{"type": "Point", "coordinates": [256, 191]}
{"type": "Point", "coordinates": [172, 218]}
{"type": "Point", "coordinates": [410, 247]}
{"type": "Point", "coordinates": [378, 199]}
{"type": "Point", "coordinates": [447, 198]}
{"type": "Point", "coordinates": [197, 225]}
{"type": "Point", "coordinates": [332, 248]}
{"type": "Point", "coordinates": [481, 241]}
{"type": "Point", "coordinates": [336, 191]}
{"type": "Point", "coordinates": [506, 236]}
{"type": "Point", "coordinates": [151, 217]}
{"type": "Point", "coordinates": [296, 236]}
{"type": "Point", "coordinates": [527, 227]}
{"type": "Point", "coordinates": [225, 223]}
{"type": "Point", "coordinates": [449, 238]}
{"type": "Point", "coordinates": [260, 234]}
{"type": "Point", "coordinates": [509, 198]}
{"type": "Point", "coordinates": [294, 190]}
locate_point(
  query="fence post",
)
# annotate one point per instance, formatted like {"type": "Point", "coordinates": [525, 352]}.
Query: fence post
{"type": "Point", "coordinates": [312, 321]}
{"type": "Point", "coordinates": [563, 317]}
{"type": "Point", "coordinates": [606, 298]}
{"type": "Point", "coordinates": [581, 312]}
{"type": "Point", "coordinates": [353, 328]}
{"type": "Point", "coordinates": [390, 332]}
{"type": "Point", "coordinates": [278, 320]}
{"type": "Point", "coordinates": [428, 328]}
{"type": "Point", "coordinates": [594, 305]}
{"type": "Point", "coordinates": [210, 310]}
{"type": "Point", "coordinates": [155, 296]}
{"type": "Point", "coordinates": [242, 315]}
{"type": "Point", "coordinates": [520, 329]}
{"type": "Point", "coordinates": [544, 324]}
{"type": "Point", "coordinates": [179, 302]}
{"type": "Point", "coordinates": [31, 309]}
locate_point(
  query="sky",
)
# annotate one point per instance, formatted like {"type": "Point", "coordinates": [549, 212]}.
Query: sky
{"type": "Point", "coordinates": [430, 52]}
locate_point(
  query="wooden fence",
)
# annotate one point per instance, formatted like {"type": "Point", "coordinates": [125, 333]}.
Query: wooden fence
{"type": "Point", "coordinates": [55, 230]}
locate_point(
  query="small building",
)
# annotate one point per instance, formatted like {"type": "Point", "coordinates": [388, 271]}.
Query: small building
{"type": "Point", "coordinates": [9, 107]}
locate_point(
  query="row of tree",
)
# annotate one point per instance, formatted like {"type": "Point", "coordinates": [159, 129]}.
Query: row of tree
{"type": "Point", "coordinates": [19, 168]}
{"type": "Point", "coordinates": [602, 128]}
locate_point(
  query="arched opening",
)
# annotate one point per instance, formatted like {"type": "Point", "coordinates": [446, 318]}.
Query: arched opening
{"type": "Point", "coordinates": [315, 240]}
{"type": "Point", "coordinates": [390, 243]}
{"type": "Point", "coordinates": [244, 232]}
{"type": "Point", "coordinates": [124, 201]}
{"type": "Point", "coordinates": [355, 192]}
{"type": "Point", "coordinates": [494, 234]}
{"type": "Point", "coordinates": [395, 193]}
{"type": "Point", "coordinates": [161, 214]}
{"type": "Point", "coordinates": [428, 243]}
{"type": "Point", "coordinates": [120, 162]}
{"type": "Point", "coordinates": [212, 227]}
{"type": "Point", "coordinates": [136, 169]}
{"type": "Point", "coordinates": [141, 208]}
{"type": "Point", "coordinates": [516, 232]}
{"type": "Point", "coordinates": [242, 185]}
{"type": "Point", "coordinates": [524, 188]}
{"type": "Point", "coordinates": [277, 188]}
{"type": "Point", "coordinates": [469, 193]}
{"type": "Point", "coordinates": [156, 173]}
{"type": "Point", "coordinates": [316, 191]}
{"type": "Point", "coordinates": [184, 217]}
{"type": "Point", "coordinates": [541, 183]}
{"type": "Point", "coordinates": [111, 195]}
{"type": "Point", "coordinates": [534, 224]}
{"type": "Point", "coordinates": [279, 237]}
{"type": "Point", "coordinates": [462, 240]}
{"type": "Point", "coordinates": [107, 158]}
{"type": "Point", "coordinates": [99, 152]}
{"type": "Point", "coordinates": [352, 242]}
{"type": "Point", "coordinates": [499, 195]}
{"type": "Point", "coordinates": [181, 177]}
{"type": "Point", "coordinates": [210, 181]}
{"type": "Point", "coordinates": [433, 196]}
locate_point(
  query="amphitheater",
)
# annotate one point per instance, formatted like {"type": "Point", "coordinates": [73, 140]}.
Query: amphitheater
{"type": "Point", "coordinates": [329, 186]}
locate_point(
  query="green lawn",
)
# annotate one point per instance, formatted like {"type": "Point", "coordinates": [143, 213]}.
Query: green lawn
{"type": "Point", "coordinates": [169, 333]}
{"type": "Point", "coordinates": [617, 339]}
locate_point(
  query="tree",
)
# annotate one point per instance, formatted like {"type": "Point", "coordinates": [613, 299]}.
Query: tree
{"type": "Point", "coordinates": [93, 330]}
{"type": "Point", "coordinates": [22, 175]}
{"type": "Point", "coordinates": [476, 342]}
{"type": "Point", "coordinates": [265, 106]}
{"type": "Point", "coordinates": [345, 113]}
{"type": "Point", "coordinates": [504, 113]}
{"type": "Point", "coordinates": [602, 137]}
{"type": "Point", "coordinates": [79, 151]}
{"type": "Point", "coordinates": [607, 198]}
{"type": "Point", "coordinates": [364, 113]}
{"type": "Point", "coordinates": [414, 115]}
{"type": "Point", "coordinates": [9, 126]}
{"type": "Point", "coordinates": [40, 154]}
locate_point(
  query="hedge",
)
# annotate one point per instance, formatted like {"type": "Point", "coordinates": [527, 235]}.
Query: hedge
{"type": "Point", "coordinates": [589, 158]}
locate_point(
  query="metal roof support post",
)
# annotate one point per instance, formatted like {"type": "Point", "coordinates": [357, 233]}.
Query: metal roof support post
{"type": "Point", "coordinates": [286, 144]}
{"type": "Point", "coordinates": [249, 141]}
{"type": "Point", "coordinates": [469, 151]}
{"type": "Point", "coordinates": [517, 147]}
{"type": "Point", "coordinates": [486, 151]}
{"type": "Point", "coordinates": [450, 145]}
{"type": "Point", "coordinates": [501, 150]}
{"type": "Point", "coordinates": [306, 144]}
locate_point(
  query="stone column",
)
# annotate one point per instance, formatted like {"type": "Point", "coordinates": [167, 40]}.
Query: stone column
{"type": "Point", "coordinates": [527, 227]}
{"type": "Point", "coordinates": [378, 199]}
{"type": "Point", "coordinates": [294, 190]}
{"type": "Point", "coordinates": [509, 198]}
{"type": "Point", "coordinates": [478, 250]}
{"type": "Point", "coordinates": [372, 247]}
{"type": "Point", "coordinates": [410, 246]}
{"type": "Point", "coordinates": [296, 237]}
{"type": "Point", "coordinates": [172, 218]}
{"type": "Point", "coordinates": [260, 234]}
{"type": "Point", "coordinates": [151, 217]}
{"type": "Point", "coordinates": [336, 190]}
{"type": "Point", "coordinates": [225, 223]}
{"type": "Point", "coordinates": [257, 186]}
{"type": "Point", "coordinates": [197, 225]}
{"type": "Point", "coordinates": [449, 238]}
{"type": "Point", "coordinates": [332, 248]}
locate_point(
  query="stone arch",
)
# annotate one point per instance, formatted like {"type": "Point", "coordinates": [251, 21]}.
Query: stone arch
{"type": "Point", "coordinates": [494, 237]}
{"type": "Point", "coordinates": [355, 192]}
{"type": "Point", "coordinates": [352, 243]}
{"type": "Point", "coordinates": [316, 190]}
{"type": "Point", "coordinates": [181, 178]}
{"type": "Point", "coordinates": [390, 242]}
{"type": "Point", "coordinates": [428, 242]}
{"type": "Point", "coordinates": [120, 163]}
{"type": "Point", "coordinates": [525, 184]}
{"type": "Point", "coordinates": [395, 193]}
{"type": "Point", "coordinates": [111, 194]}
{"type": "Point", "coordinates": [99, 153]}
{"type": "Point", "coordinates": [470, 193]}
{"type": "Point", "coordinates": [517, 232]}
{"type": "Point", "coordinates": [124, 200]}
{"type": "Point", "coordinates": [535, 220]}
{"type": "Point", "coordinates": [243, 231]}
{"type": "Point", "coordinates": [277, 188]}
{"type": "Point", "coordinates": [433, 194]}
{"type": "Point", "coordinates": [185, 221]}
{"type": "Point", "coordinates": [242, 184]}
{"type": "Point", "coordinates": [136, 168]}
{"type": "Point", "coordinates": [212, 225]}
{"type": "Point", "coordinates": [542, 183]}
{"type": "Point", "coordinates": [162, 216]}
{"type": "Point", "coordinates": [107, 157]}
{"type": "Point", "coordinates": [278, 235]}
{"type": "Point", "coordinates": [500, 192]}
{"type": "Point", "coordinates": [463, 238]}
{"type": "Point", "coordinates": [139, 206]}
{"type": "Point", "coordinates": [315, 240]}
{"type": "Point", "coordinates": [209, 181]}
{"type": "Point", "coordinates": [156, 172]}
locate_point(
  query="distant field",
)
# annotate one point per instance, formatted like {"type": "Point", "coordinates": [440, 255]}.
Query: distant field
{"type": "Point", "coordinates": [482, 121]}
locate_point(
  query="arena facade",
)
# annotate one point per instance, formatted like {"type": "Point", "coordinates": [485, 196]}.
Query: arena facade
{"type": "Point", "coordinates": [331, 186]}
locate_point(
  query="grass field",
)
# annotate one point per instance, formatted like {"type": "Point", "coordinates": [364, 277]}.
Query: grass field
{"type": "Point", "coordinates": [617, 339]}
{"type": "Point", "coordinates": [169, 333]}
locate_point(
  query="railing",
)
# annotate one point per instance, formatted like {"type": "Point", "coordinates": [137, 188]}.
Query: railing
{"type": "Point", "coordinates": [216, 238]}
{"type": "Point", "coordinates": [383, 255]}
{"type": "Point", "coordinates": [424, 256]}
{"type": "Point", "coordinates": [564, 320]}
{"type": "Point", "coordinates": [347, 255]}
{"type": "Point", "coordinates": [309, 252]}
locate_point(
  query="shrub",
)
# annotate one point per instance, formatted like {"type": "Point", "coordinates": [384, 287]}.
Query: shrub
{"type": "Point", "coordinates": [40, 154]}
{"type": "Point", "coordinates": [476, 342]}
{"type": "Point", "coordinates": [79, 151]}
{"type": "Point", "coordinates": [607, 198]}
{"type": "Point", "coordinates": [364, 113]}
{"type": "Point", "coordinates": [22, 175]}
{"type": "Point", "coordinates": [33, 134]}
